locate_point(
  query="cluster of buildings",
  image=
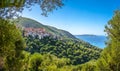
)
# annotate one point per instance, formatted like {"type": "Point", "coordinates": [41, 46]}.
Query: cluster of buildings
{"type": "Point", "coordinates": [40, 32]}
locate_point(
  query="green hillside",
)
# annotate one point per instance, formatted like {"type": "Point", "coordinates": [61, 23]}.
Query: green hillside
{"type": "Point", "coordinates": [26, 22]}
{"type": "Point", "coordinates": [71, 48]}
{"type": "Point", "coordinates": [76, 51]}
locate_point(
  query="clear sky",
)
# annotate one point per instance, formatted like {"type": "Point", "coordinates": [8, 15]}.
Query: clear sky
{"type": "Point", "coordinates": [78, 16]}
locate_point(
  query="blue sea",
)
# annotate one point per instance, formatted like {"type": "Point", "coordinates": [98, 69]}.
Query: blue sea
{"type": "Point", "coordinates": [95, 40]}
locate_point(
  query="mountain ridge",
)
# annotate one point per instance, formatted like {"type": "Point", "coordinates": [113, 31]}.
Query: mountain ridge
{"type": "Point", "coordinates": [27, 22]}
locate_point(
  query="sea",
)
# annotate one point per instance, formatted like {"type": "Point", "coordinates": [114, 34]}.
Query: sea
{"type": "Point", "coordinates": [96, 40]}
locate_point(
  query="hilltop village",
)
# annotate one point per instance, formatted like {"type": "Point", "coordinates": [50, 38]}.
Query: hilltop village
{"type": "Point", "coordinates": [40, 32]}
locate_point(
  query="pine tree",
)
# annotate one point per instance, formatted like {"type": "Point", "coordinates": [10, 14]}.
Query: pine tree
{"type": "Point", "coordinates": [110, 58]}
{"type": "Point", "coordinates": [11, 46]}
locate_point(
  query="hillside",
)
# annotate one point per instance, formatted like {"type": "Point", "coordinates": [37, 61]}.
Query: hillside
{"type": "Point", "coordinates": [26, 22]}
{"type": "Point", "coordinates": [77, 51]}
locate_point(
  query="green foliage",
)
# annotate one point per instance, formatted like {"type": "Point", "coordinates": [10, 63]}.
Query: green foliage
{"type": "Point", "coordinates": [110, 57]}
{"type": "Point", "coordinates": [11, 3]}
{"type": "Point", "coordinates": [89, 66]}
{"type": "Point", "coordinates": [12, 8]}
{"type": "Point", "coordinates": [35, 61]}
{"type": "Point", "coordinates": [46, 62]}
{"type": "Point", "coordinates": [78, 52]}
{"type": "Point", "coordinates": [11, 45]}
{"type": "Point", "coordinates": [54, 54]}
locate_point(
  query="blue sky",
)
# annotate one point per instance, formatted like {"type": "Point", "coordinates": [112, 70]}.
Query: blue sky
{"type": "Point", "coordinates": [78, 16]}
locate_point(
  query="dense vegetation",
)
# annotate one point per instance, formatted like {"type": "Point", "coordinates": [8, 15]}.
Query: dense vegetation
{"type": "Point", "coordinates": [45, 62]}
{"type": "Point", "coordinates": [11, 46]}
{"type": "Point", "coordinates": [110, 57]}
{"type": "Point", "coordinates": [52, 53]}
{"type": "Point", "coordinates": [14, 58]}
{"type": "Point", "coordinates": [78, 52]}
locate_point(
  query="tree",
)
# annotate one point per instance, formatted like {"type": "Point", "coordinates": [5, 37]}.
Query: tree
{"type": "Point", "coordinates": [46, 62]}
{"type": "Point", "coordinates": [113, 30]}
{"type": "Point", "coordinates": [11, 41]}
{"type": "Point", "coordinates": [110, 57]}
{"type": "Point", "coordinates": [35, 61]}
{"type": "Point", "coordinates": [13, 8]}
{"type": "Point", "coordinates": [11, 45]}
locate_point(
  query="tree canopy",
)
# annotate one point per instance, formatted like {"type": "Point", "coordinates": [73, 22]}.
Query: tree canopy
{"type": "Point", "coordinates": [110, 57]}
{"type": "Point", "coordinates": [13, 8]}
{"type": "Point", "coordinates": [11, 46]}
